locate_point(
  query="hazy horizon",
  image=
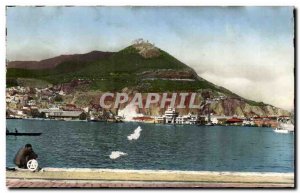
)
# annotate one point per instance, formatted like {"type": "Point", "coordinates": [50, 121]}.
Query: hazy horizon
{"type": "Point", "coordinates": [248, 50]}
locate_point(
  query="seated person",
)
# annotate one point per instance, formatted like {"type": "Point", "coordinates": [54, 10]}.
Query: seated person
{"type": "Point", "coordinates": [24, 155]}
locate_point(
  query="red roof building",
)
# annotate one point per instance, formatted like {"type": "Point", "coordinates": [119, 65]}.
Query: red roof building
{"type": "Point", "coordinates": [234, 120]}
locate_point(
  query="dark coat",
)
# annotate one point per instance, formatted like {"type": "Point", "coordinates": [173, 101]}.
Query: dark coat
{"type": "Point", "coordinates": [23, 156]}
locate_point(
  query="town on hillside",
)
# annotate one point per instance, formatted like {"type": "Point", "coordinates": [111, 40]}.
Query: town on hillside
{"type": "Point", "coordinates": [48, 103]}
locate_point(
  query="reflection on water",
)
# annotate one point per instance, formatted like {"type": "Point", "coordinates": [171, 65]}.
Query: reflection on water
{"type": "Point", "coordinates": [171, 147]}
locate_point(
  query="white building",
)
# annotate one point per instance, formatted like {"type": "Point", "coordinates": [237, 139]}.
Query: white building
{"type": "Point", "coordinates": [60, 114]}
{"type": "Point", "coordinates": [31, 102]}
{"type": "Point", "coordinates": [214, 120]}
{"type": "Point", "coordinates": [170, 115]}
{"type": "Point", "coordinates": [187, 119]}
{"type": "Point", "coordinates": [248, 122]}
{"type": "Point", "coordinates": [159, 119]}
{"type": "Point", "coordinates": [217, 119]}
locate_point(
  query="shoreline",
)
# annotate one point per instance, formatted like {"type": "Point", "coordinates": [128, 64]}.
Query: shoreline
{"type": "Point", "coordinates": [137, 122]}
{"type": "Point", "coordinates": [236, 179]}
{"type": "Point", "coordinates": [245, 173]}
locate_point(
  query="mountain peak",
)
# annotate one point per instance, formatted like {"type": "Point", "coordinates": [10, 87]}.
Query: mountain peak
{"type": "Point", "coordinates": [145, 48]}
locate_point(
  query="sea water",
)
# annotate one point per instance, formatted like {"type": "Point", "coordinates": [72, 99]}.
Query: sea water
{"type": "Point", "coordinates": [77, 144]}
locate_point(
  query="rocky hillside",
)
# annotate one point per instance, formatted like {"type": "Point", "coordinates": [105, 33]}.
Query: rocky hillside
{"type": "Point", "coordinates": [219, 104]}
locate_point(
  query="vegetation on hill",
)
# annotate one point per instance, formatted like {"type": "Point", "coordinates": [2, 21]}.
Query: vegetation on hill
{"type": "Point", "coordinates": [121, 69]}
{"type": "Point", "coordinates": [115, 72]}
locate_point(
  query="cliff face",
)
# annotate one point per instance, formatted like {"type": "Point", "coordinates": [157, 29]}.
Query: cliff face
{"type": "Point", "coordinates": [231, 107]}
{"type": "Point", "coordinates": [218, 106]}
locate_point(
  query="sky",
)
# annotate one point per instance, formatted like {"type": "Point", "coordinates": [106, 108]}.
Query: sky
{"type": "Point", "coordinates": [248, 50]}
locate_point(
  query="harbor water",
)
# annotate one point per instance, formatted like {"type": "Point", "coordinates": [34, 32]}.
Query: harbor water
{"type": "Point", "coordinates": [78, 144]}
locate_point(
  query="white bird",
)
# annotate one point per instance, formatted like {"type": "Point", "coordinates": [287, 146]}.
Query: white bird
{"type": "Point", "coordinates": [116, 154]}
{"type": "Point", "coordinates": [136, 134]}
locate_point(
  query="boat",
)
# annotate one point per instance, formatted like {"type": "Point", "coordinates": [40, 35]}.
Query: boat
{"type": "Point", "coordinates": [24, 134]}
{"type": "Point", "coordinates": [285, 125]}
{"type": "Point", "coordinates": [280, 130]}
{"type": "Point", "coordinates": [209, 124]}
